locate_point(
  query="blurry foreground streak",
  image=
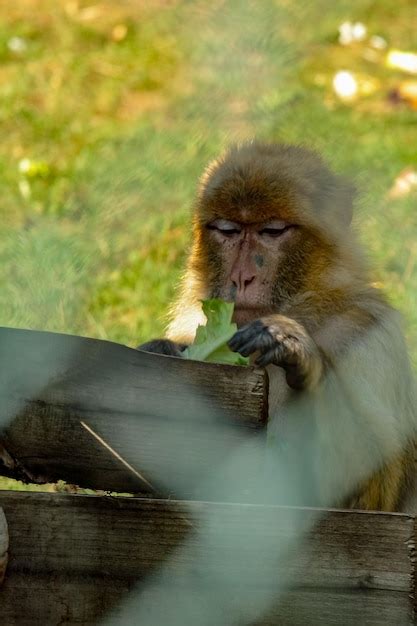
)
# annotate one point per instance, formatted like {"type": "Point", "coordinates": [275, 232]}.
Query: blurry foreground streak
{"type": "Point", "coordinates": [108, 417]}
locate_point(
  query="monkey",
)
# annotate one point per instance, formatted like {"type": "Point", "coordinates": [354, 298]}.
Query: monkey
{"type": "Point", "coordinates": [272, 232]}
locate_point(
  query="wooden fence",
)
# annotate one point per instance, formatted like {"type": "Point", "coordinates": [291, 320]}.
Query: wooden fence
{"type": "Point", "coordinates": [107, 417]}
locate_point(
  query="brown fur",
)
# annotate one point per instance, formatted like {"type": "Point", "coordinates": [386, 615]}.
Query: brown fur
{"type": "Point", "coordinates": [387, 488]}
{"type": "Point", "coordinates": [335, 333]}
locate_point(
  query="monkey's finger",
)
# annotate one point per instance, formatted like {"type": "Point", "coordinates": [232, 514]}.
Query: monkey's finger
{"type": "Point", "coordinates": [162, 346]}
{"type": "Point", "coordinates": [249, 347]}
{"type": "Point", "coordinates": [262, 343]}
{"type": "Point", "coordinates": [250, 344]}
{"type": "Point", "coordinates": [244, 334]}
{"type": "Point", "coordinates": [276, 356]}
{"type": "Point", "coordinates": [252, 337]}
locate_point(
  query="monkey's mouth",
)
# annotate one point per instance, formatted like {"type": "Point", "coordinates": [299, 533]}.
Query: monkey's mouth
{"type": "Point", "coordinates": [245, 313]}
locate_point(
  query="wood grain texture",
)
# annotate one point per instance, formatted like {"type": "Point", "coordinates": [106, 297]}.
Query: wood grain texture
{"type": "Point", "coordinates": [4, 545]}
{"type": "Point", "coordinates": [412, 543]}
{"type": "Point", "coordinates": [154, 412]}
{"type": "Point", "coordinates": [73, 558]}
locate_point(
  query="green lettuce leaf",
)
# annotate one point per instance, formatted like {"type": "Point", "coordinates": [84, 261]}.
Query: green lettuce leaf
{"type": "Point", "coordinates": [210, 342]}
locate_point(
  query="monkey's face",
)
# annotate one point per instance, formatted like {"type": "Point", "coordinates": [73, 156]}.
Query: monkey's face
{"type": "Point", "coordinates": [248, 258]}
{"type": "Point", "coordinates": [267, 222]}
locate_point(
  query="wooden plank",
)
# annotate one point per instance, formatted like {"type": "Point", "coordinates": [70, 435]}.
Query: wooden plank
{"type": "Point", "coordinates": [412, 544]}
{"type": "Point", "coordinates": [64, 398]}
{"type": "Point", "coordinates": [73, 558]}
{"type": "Point", "coordinates": [297, 607]}
{"type": "Point", "coordinates": [52, 601]}
{"type": "Point", "coordinates": [4, 545]}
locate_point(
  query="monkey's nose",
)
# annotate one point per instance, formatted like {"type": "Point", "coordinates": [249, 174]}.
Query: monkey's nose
{"type": "Point", "coordinates": [242, 280]}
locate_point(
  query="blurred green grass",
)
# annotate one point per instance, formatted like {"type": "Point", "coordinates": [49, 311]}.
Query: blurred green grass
{"type": "Point", "coordinates": [119, 106]}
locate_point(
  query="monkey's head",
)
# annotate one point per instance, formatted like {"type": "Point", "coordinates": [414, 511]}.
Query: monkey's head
{"type": "Point", "coordinates": [268, 221]}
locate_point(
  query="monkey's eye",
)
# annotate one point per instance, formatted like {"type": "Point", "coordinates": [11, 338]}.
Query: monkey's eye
{"type": "Point", "coordinates": [228, 232]}
{"type": "Point", "coordinates": [225, 227]}
{"type": "Point", "coordinates": [275, 229]}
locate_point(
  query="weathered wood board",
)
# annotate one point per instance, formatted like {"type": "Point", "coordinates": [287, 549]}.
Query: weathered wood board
{"type": "Point", "coordinates": [74, 558]}
{"type": "Point", "coordinates": [105, 416]}
{"type": "Point", "coordinates": [4, 545]}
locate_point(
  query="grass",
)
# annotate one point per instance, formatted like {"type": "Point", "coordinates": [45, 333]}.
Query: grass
{"type": "Point", "coordinates": [118, 106]}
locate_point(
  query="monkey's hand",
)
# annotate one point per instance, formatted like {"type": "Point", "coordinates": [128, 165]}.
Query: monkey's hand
{"type": "Point", "coordinates": [284, 342]}
{"type": "Point", "coordinates": [163, 346]}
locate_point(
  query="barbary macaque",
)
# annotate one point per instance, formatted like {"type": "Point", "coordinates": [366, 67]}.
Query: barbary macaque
{"type": "Point", "coordinates": [272, 233]}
